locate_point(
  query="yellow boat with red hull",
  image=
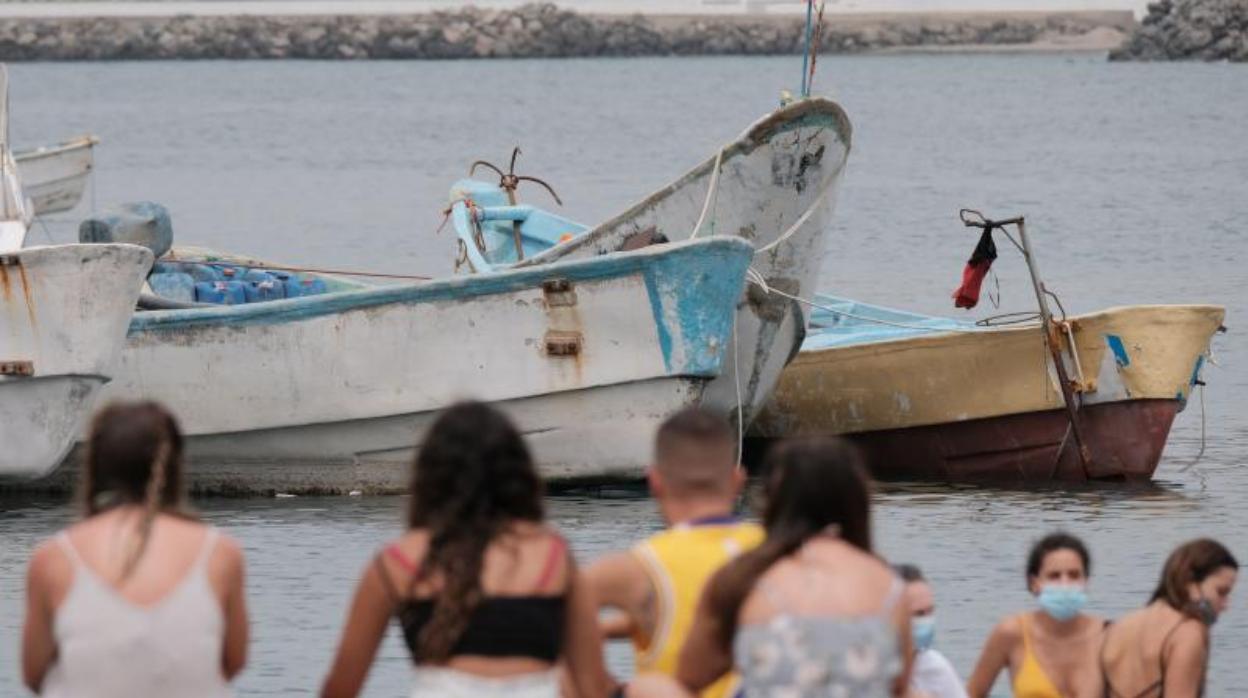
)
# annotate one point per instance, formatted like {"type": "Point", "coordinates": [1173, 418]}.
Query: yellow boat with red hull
{"type": "Point", "coordinates": [938, 398]}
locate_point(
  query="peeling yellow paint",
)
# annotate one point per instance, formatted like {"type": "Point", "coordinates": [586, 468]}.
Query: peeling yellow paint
{"type": "Point", "coordinates": [941, 378]}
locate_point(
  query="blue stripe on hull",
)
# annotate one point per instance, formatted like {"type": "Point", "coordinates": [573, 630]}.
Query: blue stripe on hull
{"type": "Point", "coordinates": [697, 282]}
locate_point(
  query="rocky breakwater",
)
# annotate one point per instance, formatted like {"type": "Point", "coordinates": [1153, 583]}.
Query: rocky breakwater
{"type": "Point", "coordinates": [1211, 30]}
{"type": "Point", "coordinates": [538, 30]}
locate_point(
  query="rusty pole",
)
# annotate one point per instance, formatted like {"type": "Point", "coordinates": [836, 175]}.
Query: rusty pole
{"type": "Point", "coordinates": [1052, 342]}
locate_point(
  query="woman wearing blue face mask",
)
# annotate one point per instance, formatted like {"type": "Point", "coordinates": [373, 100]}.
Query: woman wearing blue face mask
{"type": "Point", "coordinates": [1163, 648]}
{"type": "Point", "coordinates": [933, 675]}
{"type": "Point", "coordinates": [1051, 652]}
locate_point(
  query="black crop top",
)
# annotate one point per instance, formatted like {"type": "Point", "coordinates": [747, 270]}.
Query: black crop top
{"type": "Point", "coordinates": [501, 626]}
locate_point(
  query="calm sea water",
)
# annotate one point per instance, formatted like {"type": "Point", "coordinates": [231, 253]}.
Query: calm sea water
{"type": "Point", "coordinates": [1134, 179]}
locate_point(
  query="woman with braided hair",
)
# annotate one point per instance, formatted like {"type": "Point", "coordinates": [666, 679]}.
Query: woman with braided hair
{"type": "Point", "coordinates": [486, 593]}
{"type": "Point", "coordinates": [139, 598]}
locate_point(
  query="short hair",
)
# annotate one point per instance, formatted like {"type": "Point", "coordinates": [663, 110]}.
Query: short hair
{"type": "Point", "coordinates": [1192, 562]}
{"type": "Point", "coordinates": [700, 469]}
{"type": "Point", "coordinates": [1058, 540]}
{"type": "Point", "coordinates": [909, 573]}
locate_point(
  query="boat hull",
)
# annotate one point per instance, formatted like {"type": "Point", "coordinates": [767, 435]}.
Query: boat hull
{"type": "Point", "coordinates": [587, 356]}
{"type": "Point", "coordinates": [1125, 438]}
{"type": "Point", "coordinates": [54, 178]}
{"type": "Point", "coordinates": [63, 317]}
{"type": "Point", "coordinates": [610, 439]}
{"type": "Point", "coordinates": [986, 404]}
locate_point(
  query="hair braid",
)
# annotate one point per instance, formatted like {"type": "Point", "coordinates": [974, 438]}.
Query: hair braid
{"type": "Point", "coordinates": [151, 504]}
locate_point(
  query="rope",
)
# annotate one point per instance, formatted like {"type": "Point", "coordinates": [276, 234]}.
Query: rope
{"type": "Point", "coordinates": [814, 47]}
{"type": "Point", "coordinates": [756, 279]}
{"type": "Point", "coordinates": [736, 375]}
{"type": "Point", "coordinates": [1201, 453]}
{"type": "Point", "coordinates": [810, 210]}
{"type": "Point", "coordinates": [1020, 318]}
{"type": "Point", "coordinates": [44, 226]}
{"type": "Point", "coordinates": [810, 8]}
{"type": "Point", "coordinates": [711, 191]}
{"type": "Point", "coordinates": [311, 270]}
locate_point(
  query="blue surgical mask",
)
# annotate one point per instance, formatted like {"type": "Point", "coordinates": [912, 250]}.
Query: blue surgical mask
{"type": "Point", "coordinates": [923, 629]}
{"type": "Point", "coordinates": [1063, 602]}
{"type": "Point", "coordinates": [1206, 612]}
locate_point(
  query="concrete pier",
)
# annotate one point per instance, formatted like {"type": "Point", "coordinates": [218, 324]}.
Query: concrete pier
{"type": "Point", "coordinates": [378, 29]}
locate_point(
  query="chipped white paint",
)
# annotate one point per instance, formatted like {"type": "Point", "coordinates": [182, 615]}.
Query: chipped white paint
{"type": "Point", "coordinates": [785, 166]}
{"type": "Point", "coordinates": [63, 313]}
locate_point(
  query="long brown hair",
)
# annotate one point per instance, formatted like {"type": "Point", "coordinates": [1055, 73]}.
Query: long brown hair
{"type": "Point", "coordinates": [1190, 563]}
{"type": "Point", "coordinates": [473, 479]}
{"type": "Point", "coordinates": [134, 456]}
{"type": "Point", "coordinates": [811, 486]}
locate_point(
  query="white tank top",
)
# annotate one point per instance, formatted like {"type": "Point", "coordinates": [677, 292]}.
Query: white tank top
{"type": "Point", "coordinates": [110, 647]}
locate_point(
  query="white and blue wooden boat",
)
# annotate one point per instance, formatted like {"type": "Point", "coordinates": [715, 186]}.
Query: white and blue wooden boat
{"type": "Point", "coordinates": [589, 344]}
{"type": "Point", "coordinates": [775, 187]}
{"type": "Point", "coordinates": [588, 355]}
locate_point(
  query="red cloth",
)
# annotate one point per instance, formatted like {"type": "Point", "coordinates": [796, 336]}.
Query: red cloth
{"type": "Point", "coordinates": [967, 295]}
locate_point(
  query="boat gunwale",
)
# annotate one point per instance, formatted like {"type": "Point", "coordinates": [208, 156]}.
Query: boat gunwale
{"type": "Point", "coordinates": [84, 142]}
{"type": "Point", "coordinates": [449, 288]}
{"type": "Point", "coordinates": [921, 336]}
{"type": "Point", "coordinates": [753, 137]}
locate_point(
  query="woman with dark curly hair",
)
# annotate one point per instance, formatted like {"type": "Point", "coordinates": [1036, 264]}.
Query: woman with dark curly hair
{"type": "Point", "coordinates": [1163, 648]}
{"type": "Point", "coordinates": [487, 594]}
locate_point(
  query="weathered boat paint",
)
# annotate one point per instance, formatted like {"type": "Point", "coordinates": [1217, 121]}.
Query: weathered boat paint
{"type": "Point", "coordinates": [957, 401]}
{"type": "Point", "coordinates": [63, 317]}
{"type": "Point", "coordinates": [1125, 438]}
{"type": "Point", "coordinates": [776, 188]}
{"type": "Point", "coordinates": [55, 177]}
{"type": "Point", "coordinates": [16, 213]}
{"type": "Point", "coordinates": [329, 392]}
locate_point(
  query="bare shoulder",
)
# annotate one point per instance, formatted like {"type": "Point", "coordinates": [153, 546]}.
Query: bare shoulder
{"type": "Point", "coordinates": [1189, 633]}
{"type": "Point", "coordinates": [228, 550]}
{"type": "Point", "coordinates": [226, 561]}
{"type": "Point", "coordinates": [1009, 629]}
{"type": "Point", "coordinates": [543, 532]}
{"type": "Point", "coordinates": [616, 570]}
{"type": "Point", "coordinates": [1097, 625]}
{"type": "Point", "coordinates": [45, 560]}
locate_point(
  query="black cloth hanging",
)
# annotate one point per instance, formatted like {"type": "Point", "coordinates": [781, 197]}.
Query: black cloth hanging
{"type": "Point", "coordinates": [967, 295]}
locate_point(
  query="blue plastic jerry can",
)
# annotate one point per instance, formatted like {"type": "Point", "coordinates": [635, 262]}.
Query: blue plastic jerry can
{"type": "Point", "coordinates": [256, 275]}
{"type": "Point", "coordinates": [202, 272]}
{"type": "Point", "coordinates": [173, 285]}
{"type": "Point", "coordinates": [296, 287]}
{"type": "Point", "coordinates": [266, 290]}
{"type": "Point", "coordinates": [221, 292]}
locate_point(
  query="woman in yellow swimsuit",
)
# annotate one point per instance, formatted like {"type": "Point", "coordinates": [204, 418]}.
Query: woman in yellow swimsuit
{"type": "Point", "coordinates": [1050, 652]}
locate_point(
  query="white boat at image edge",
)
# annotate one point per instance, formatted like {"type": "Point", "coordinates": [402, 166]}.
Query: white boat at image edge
{"type": "Point", "coordinates": [64, 311]}
{"type": "Point", "coordinates": [63, 317]}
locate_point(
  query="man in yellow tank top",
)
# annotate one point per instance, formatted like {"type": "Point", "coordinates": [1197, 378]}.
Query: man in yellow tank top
{"type": "Point", "coordinates": [655, 587]}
